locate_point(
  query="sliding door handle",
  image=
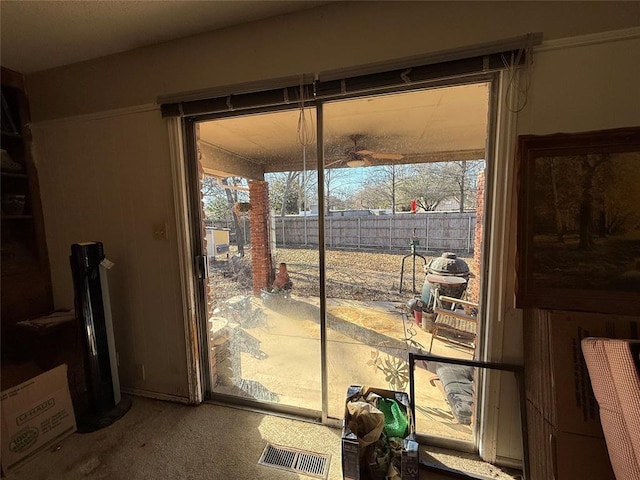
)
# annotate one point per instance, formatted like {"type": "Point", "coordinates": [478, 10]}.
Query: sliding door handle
{"type": "Point", "coordinates": [202, 267]}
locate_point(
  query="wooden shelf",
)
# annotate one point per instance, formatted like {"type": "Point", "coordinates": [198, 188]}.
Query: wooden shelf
{"type": "Point", "coordinates": [17, 217]}
{"type": "Point", "coordinates": [14, 175]}
{"type": "Point", "coordinates": [11, 134]}
{"type": "Point", "coordinates": [26, 278]}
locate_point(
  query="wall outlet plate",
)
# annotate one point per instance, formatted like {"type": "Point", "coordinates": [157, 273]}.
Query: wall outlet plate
{"type": "Point", "coordinates": [160, 231]}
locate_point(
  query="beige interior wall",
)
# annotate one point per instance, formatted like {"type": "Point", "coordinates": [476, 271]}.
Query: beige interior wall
{"type": "Point", "coordinates": [583, 85]}
{"type": "Point", "coordinates": [590, 85]}
{"type": "Point", "coordinates": [338, 35]}
{"type": "Point", "coordinates": [109, 179]}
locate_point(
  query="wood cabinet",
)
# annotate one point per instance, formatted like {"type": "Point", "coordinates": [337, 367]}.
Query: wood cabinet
{"type": "Point", "coordinates": [26, 280]}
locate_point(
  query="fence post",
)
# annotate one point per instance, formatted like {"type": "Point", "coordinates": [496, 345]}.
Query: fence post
{"type": "Point", "coordinates": [358, 233]}
{"type": "Point", "coordinates": [469, 235]}
{"type": "Point", "coordinates": [330, 232]}
{"type": "Point", "coordinates": [305, 227]}
{"type": "Point", "coordinates": [390, 230]}
{"type": "Point", "coordinates": [284, 243]}
{"type": "Point", "coordinates": [427, 233]}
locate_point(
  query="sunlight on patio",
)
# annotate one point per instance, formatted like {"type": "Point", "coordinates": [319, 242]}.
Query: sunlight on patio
{"type": "Point", "coordinates": [273, 354]}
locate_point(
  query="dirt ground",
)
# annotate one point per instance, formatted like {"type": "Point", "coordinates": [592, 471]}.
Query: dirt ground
{"type": "Point", "coordinates": [351, 275]}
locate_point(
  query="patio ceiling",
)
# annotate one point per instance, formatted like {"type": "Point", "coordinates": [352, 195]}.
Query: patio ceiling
{"type": "Point", "coordinates": [438, 124]}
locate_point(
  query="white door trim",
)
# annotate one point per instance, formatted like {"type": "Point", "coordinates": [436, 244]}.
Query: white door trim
{"type": "Point", "coordinates": [501, 241]}
{"type": "Point", "coordinates": [185, 253]}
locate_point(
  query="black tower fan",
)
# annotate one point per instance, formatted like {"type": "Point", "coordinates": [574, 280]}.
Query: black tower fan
{"type": "Point", "coordinates": [103, 404]}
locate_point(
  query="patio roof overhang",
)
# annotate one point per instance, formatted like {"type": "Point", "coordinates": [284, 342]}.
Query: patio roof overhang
{"type": "Point", "coordinates": [430, 125]}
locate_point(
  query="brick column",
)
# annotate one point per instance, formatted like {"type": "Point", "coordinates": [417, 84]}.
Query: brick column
{"type": "Point", "coordinates": [474, 289]}
{"type": "Point", "coordinates": [259, 226]}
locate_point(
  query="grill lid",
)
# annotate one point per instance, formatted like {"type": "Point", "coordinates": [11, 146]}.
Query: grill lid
{"type": "Point", "coordinates": [448, 264]}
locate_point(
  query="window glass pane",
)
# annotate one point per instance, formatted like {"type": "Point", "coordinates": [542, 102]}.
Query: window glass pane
{"type": "Point", "coordinates": [403, 182]}
{"type": "Point", "coordinates": [258, 183]}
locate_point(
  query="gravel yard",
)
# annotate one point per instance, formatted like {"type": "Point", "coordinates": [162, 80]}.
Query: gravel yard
{"type": "Point", "coordinates": [352, 275]}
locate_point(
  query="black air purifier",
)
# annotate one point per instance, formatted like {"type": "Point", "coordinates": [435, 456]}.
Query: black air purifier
{"type": "Point", "coordinates": [103, 404]}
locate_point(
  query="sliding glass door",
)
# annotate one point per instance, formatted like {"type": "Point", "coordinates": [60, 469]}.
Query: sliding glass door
{"type": "Point", "coordinates": [257, 183]}
{"type": "Point", "coordinates": [327, 266]}
{"type": "Point", "coordinates": [401, 189]}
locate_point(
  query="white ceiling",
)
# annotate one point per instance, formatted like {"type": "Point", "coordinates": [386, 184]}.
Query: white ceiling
{"type": "Point", "coordinates": [39, 35]}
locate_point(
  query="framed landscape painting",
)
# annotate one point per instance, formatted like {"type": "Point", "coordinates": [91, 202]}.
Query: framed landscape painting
{"type": "Point", "coordinates": [579, 221]}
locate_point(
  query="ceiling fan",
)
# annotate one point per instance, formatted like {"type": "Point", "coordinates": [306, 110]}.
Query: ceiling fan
{"type": "Point", "coordinates": [360, 157]}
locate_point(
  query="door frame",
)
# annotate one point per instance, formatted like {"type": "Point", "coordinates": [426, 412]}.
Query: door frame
{"type": "Point", "coordinates": [498, 247]}
{"type": "Point", "coordinates": [179, 156]}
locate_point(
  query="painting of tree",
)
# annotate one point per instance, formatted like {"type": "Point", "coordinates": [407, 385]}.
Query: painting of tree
{"type": "Point", "coordinates": [579, 226]}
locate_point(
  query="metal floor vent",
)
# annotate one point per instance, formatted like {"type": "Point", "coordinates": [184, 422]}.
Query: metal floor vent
{"type": "Point", "coordinates": [295, 460]}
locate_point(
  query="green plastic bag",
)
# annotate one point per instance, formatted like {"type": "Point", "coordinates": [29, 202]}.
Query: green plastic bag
{"type": "Point", "coordinates": [395, 417]}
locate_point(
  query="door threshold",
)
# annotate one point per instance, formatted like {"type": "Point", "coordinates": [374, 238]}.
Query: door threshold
{"type": "Point", "coordinates": [291, 413]}
{"type": "Point", "coordinates": [457, 464]}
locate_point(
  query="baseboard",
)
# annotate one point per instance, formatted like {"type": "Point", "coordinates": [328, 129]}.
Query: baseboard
{"type": "Point", "coordinates": [157, 396]}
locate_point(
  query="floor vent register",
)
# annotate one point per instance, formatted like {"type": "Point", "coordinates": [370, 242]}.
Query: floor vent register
{"type": "Point", "coordinates": [295, 460]}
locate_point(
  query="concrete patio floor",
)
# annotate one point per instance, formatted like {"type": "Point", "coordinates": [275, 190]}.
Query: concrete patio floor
{"type": "Point", "coordinates": [278, 358]}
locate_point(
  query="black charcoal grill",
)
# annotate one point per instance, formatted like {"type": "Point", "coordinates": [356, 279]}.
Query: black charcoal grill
{"type": "Point", "coordinates": [438, 271]}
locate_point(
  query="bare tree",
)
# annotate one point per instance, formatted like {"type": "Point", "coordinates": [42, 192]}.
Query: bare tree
{"type": "Point", "coordinates": [461, 181]}
{"type": "Point", "coordinates": [460, 177]}
{"type": "Point", "coordinates": [232, 199]}
{"type": "Point", "coordinates": [428, 185]}
{"type": "Point", "coordinates": [373, 195]}
{"type": "Point", "coordinates": [333, 192]}
{"type": "Point", "coordinates": [620, 179]}
{"type": "Point", "coordinates": [589, 167]}
{"type": "Point", "coordinates": [387, 179]}
{"type": "Point", "coordinates": [551, 164]}
{"type": "Point", "coordinates": [215, 202]}
{"type": "Point", "coordinates": [284, 192]}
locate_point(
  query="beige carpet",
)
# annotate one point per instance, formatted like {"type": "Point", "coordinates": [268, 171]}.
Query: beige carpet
{"type": "Point", "coordinates": [162, 440]}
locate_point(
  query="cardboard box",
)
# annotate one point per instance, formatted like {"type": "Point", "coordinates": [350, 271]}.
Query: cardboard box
{"type": "Point", "coordinates": [35, 414]}
{"type": "Point", "coordinates": [564, 431]}
{"type": "Point", "coordinates": [410, 460]}
{"type": "Point", "coordinates": [580, 456]}
{"type": "Point", "coordinates": [576, 409]}
{"type": "Point", "coordinates": [351, 451]}
{"type": "Point", "coordinates": [556, 376]}
{"type": "Point", "coordinates": [556, 455]}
